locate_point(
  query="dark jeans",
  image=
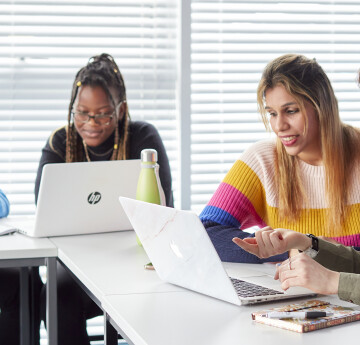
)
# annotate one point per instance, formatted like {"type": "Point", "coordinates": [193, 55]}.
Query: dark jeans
{"type": "Point", "coordinates": [74, 308]}
{"type": "Point", "coordinates": [10, 305]}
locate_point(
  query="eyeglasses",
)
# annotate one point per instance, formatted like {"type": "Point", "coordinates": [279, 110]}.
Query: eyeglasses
{"type": "Point", "coordinates": [100, 119]}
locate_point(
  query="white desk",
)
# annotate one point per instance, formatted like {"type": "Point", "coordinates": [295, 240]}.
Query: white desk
{"type": "Point", "coordinates": [109, 264]}
{"type": "Point", "coordinates": [21, 251]}
{"type": "Point", "coordinates": [18, 246]}
{"type": "Point", "coordinates": [147, 311]}
{"type": "Point", "coordinates": [179, 318]}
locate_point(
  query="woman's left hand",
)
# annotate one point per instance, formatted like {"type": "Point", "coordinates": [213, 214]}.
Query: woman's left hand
{"type": "Point", "coordinates": [269, 242]}
{"type": "Point", "coordinates": [301, 270]}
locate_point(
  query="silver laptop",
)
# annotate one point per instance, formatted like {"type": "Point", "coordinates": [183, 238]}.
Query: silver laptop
{"type": "Point", "coordinates": [182, 253]}
{"type": "Point", "coordinates": [81, 198]}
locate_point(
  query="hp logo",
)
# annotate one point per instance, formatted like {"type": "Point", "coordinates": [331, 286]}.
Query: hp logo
{"type": "Point", "coordinates": [94, 198]}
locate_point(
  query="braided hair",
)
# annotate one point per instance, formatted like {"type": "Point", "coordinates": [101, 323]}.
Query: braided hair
{"type": "Point", "coordinates": [101, 70]}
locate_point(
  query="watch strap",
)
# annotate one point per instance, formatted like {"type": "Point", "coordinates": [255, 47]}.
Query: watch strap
{"type": "Point", "coordinates": [314, 242]}
{"type": "Point", "coordinates": [313, 250]}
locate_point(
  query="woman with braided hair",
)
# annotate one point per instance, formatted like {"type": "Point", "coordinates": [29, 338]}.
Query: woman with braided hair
{"type": "Point", "coordinates": [98, 129]}
{"type": "Point", "coordinates": [99, 126]}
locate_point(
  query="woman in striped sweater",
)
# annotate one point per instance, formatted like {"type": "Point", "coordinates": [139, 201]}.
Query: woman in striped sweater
{"type": "Point", "coordinates": [305, 180]}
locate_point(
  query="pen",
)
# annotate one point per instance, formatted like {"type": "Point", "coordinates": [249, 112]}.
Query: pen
{"type": "Point", "coordinates": [297, 314]}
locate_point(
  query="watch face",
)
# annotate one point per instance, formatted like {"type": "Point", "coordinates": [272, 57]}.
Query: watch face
{"type": "Point", "coordinates": [314, 242]}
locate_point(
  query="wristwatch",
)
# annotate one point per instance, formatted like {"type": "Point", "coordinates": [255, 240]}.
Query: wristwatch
{"type": "Point", "coordinates": [313, 250]}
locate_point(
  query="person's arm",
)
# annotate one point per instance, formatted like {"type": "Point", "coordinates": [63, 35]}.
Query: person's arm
{"type": "Point", "coordinates": [145, 136]}
{"type": "Point", "coordinates": [53, 152]}
{"type": "Point", "coordinates": [4, 205]}
{"type": "Point", "coordinates": [349, 287]}
{"type": "Point", "coordinates": [240, 203]}
{"type": "Point", "coordinates": [338, 258]}
{"type": "Point", "coordinates": [268, 242]}
{"type": "Point", "coordinates": [304, 271]}
{"type": "Point", "coordinates": [320, 274]}
{"type": "Point", "coordinates": [221, 237]}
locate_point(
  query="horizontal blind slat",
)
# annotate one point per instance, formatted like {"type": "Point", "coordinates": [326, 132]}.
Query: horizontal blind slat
{"type": "Point", "coordinates": [232, 41]}
{"type": "Point", "coordinates": [42, 46]}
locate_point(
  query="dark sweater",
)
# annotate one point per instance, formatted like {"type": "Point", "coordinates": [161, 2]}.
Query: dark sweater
{"type": "Point", "coordinates": [142, 135]}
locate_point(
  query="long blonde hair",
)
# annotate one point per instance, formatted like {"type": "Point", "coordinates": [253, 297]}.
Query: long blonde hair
{"type": "Point", "coordinates": [305, 80]}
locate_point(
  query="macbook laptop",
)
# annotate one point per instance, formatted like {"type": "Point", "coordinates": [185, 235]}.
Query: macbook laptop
{"type": "Point", "coordinates": [81, 198]}
{"type": "Point", "coordinates": [183, 254]}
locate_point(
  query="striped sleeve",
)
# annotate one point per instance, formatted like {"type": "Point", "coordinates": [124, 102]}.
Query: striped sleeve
{"type": "Point", "coordinates": [240, 203]}
{"type": "Point", "coordinates": [240, 200]}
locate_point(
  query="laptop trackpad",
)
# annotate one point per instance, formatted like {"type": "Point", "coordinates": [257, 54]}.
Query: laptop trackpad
{"type": "Point", "coordinates": [266, 281]}
{"type": "Point", "coordinates": [240, 270]}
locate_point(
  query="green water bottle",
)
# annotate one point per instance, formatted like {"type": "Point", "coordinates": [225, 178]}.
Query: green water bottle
{"type": "Point", "coordinates": [149, 186]}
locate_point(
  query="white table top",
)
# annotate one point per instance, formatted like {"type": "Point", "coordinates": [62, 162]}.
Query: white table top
{"type": "Point", "coordinates": [19, 246]}
{"type": "Point", "coordinates": [152, 312]}
{"type": "Point", "coordinates": [109, 263]}
{"type": "Point", "coordinates": [187, 317]}
{"type": "Point", "coordinates": [113, 264]}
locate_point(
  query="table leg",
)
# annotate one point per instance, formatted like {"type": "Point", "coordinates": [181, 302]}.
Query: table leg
{"type": "Point", "coordinates": [51, 301]}
{"type": "Point", "coordinates": [24, 306]}
{"type": "Point", "coordinates": [110, 333]}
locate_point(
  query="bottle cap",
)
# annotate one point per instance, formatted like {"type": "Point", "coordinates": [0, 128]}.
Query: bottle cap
{"type": "Point", "coordinates": [149, 155]}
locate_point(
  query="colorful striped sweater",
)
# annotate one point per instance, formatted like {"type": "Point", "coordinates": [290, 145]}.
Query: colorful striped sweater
{"type": "Point", "coordinates": [247, 197]}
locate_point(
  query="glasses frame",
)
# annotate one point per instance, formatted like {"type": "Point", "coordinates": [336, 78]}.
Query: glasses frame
{"type": "Point", "coordinates": [97, 116]}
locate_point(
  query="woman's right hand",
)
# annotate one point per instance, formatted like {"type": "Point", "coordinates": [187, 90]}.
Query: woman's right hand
{"type": "Point", "coordinates": [269, 242]}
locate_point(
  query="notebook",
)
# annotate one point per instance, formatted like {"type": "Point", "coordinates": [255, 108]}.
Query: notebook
{"type": "Point", "coordinates": [182, 253]}
{"type": "Point", "coordinates": [340, 315]}
{"type": "Point", "coordinates": [80, 198]}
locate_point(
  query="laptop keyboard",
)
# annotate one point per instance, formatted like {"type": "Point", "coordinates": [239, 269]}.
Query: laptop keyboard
{"type": "Point", "coordinates": [245, 289]}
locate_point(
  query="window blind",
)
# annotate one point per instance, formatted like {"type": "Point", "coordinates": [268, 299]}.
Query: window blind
{"type": "Point", "coordinates": [231, 43]}
{"type": "Point", "coordinates": [42, 46]}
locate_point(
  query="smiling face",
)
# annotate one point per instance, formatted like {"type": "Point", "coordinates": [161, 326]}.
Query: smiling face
{"type": "Point", "coordinates": [94, 101]}
{"type": "Point", "coordinates": [288, 122]}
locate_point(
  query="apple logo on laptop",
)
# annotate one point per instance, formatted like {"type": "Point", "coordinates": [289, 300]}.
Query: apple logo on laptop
{"type": "Point", "coordinates": [94, 198]}
{"type": "Point", "coordinates": [176, 249]}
